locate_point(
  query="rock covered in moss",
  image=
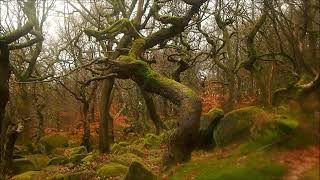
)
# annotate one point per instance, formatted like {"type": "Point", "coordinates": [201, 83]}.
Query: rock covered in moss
{"type": "Point", "coordinates": [76, 158]}
{"type": "Point", "coordinates": [152, 140]}
{"type": "Point", "coordinates": [276, 129]}
{"type": "Point", "coordinates": [39, 160]}
{"type": "Point", "coordinates": [51, 142]}
{"type": "Point", "coordinates": [76, 150]}
{"type": "Point", "coordinates": [134, 149]}
{"type": "Point", "coordinates": [59, 160]}
{"type": "Point", "coordinates": [23, 165]}
{"type": "Point", "coordinates": [236, 125]}
{"type": "Point", "coordinates": [138, 171]}
{"type": "Point", "coordinates": [30, 175]}
{"type": "Point", "coordinates": [80, 175]}
{"type": "Point", "coordinates": [207, 124]}
{"type": "Point", "coordinates": [127, 158]}
{"type": "Point", "coordinates": [112, 170]}
{"type": "Point", "coordinates": [87, 159]}
{"type": "Point", "coordinates": [58, 151]}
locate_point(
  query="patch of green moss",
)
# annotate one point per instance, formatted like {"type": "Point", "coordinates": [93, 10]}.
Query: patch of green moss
{"type": "Point", "coordinates": [30, 175]}
{"type": "Point", "coordinates": [86, 174]}
{"type": "Point", "coordinates": [135, 149]}
{"type": "Point", "coordinates": [124, 143]}
{"type": "Point", "coordinates": [274, 132]}
{"type": "Point", "coordinates": [126, 159]}
{"type": "Point", "coordinates": [251, 167]}
{"type": "Point", "coordinates": [87, 159]}
{"type": "Point", "coordinates": [58, 160]}
{"type": "Point", "coordinates": [23, 165]}
{"type": "Point", "coordinates": [138, 171]}
{"type": "Point", "coordinates": [152, 140]}
{"type": "Point", "coordinates": [137, 47]}
{"type": "Point", "coordinates": [112, 170]}
{"type": "Point", "coordinates": [58, 151]}
{"type": "Point", "coordinates": [51, 142]}
{"type": "Point", "coordinates": [128, 59]}
{"type": "Point", "coordinates": [39, 160]}
{"type": "Point", "coordinates": [139, 141]}
{"type": "Point", "coordinates": [286, 123]}
{"type": "Point", "coordinates": [76, 158]}
{"type": "Point", "coordinates": [76, 150]}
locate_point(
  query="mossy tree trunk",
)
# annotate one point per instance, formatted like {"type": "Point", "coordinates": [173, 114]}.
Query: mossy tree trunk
{"type": "Point", "coordinates": [183, 141]}
{"type": "Point", "coordinates": [129, 66]}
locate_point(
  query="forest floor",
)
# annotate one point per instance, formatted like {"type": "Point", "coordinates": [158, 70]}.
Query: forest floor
{"type": "Point", "coordinates": [296, 158]}
{"type": "Point", "coordinates": [228, 163]}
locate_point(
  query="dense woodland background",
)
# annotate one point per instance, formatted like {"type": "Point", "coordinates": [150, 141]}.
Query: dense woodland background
{"type": "Point", "coordinates": [164, 76]}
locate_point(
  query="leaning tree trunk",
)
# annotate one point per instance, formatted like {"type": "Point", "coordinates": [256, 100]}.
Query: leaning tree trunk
{"type": "Point", "coordinates": [153, 112]}
{"type": "Point", "coordinates": [4, 89]}
{"type": "Point", "coordinates": [105, 118]}
{"type": "Point", "coordinates": [183, 141]}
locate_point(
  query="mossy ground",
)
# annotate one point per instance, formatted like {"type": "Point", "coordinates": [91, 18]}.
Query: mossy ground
{"type": "Point", "coordinates": [229, 163]}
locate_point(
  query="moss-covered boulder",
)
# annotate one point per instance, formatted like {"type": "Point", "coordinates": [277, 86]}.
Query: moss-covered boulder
{"type": "Point", "coordinates": [39, 160]}
{"type": "Point", "coordinates": [76, 158]}
{"type": "Point", "coordinates": [81, 175]}
{"type": "Point", "coordinates": [133, 148]}
{"type": "Point", "coordinates": [207, 124]}
{"type": "Point", "coordinates": [236, 125]}
{"type": "Point", "coordinates": [127, 158]}
{"type": "Point", "coordinates": [76, 150]}
{"type": "Point", "coordinates": [277, 130]}
{"type": "Point", "coordinates": [23, 165]}
{"type": "Point", "coordinates": [59, 160]}
{"type": "Point", "coordinates": [138, 171]}
{"type": "Point", "coordinates": [58, 151]}
{"type": "Point", "coordinates": [30, 175]}
{"type": "Point", "coordinates": [112, 170]}
{"type": "Point", "coordinates": [87, 159]}
{"type": "Point", "coordinates": [20, 152]}
{"type": "Point", "coordinates": [152, 140]}
{"type": "Point", "coordinates": [50, 142]}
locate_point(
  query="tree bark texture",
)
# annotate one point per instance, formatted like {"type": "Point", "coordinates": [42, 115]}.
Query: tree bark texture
{"type": "Point", "coordinates": [159, 125]}
{"type": "Point", "coordinates": [4, 88]}
{"type": "Point", "coordinates": [105, 118]}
